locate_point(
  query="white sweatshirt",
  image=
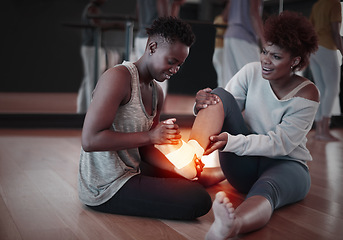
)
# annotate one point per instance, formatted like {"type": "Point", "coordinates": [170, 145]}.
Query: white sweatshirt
{"type": "Point", "coordinates": [279, 126]}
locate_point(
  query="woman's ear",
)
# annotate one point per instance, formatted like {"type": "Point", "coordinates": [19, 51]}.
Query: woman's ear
{"type": "Point", "coordinates": [296, 61]}
{"type": "Point", "coordinates": [152, 47]}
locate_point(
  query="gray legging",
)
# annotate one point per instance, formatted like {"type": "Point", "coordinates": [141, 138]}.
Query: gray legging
{"type": "Point", "coordinates": [280, 181]}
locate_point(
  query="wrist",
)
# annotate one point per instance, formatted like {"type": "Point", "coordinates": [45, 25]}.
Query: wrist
{"type": "Point", "coordinates": [150, 138]}
{"type": "Point", "coordinates": [225, 147]}
{"type": "Point", "coordinates": [195, 110]}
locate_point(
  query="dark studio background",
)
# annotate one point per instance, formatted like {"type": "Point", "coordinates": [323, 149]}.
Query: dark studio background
{"type": "Point", "coordinates": [40, 54]}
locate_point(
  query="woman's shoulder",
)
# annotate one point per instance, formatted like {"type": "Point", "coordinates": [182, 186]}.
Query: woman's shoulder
{"type": "Point", "coordinates": [115, 79]}
{"type": "Point", "coordinates": [118, 68]}
{"type": "Point", "coordinates": [117, 73]}
{"type": "Point", "coordinates": [309, 91]}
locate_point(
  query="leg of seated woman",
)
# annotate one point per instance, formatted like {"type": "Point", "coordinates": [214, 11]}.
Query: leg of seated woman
{"type": "Point", "coordinates": [281, 182]}
{"type": "Point", "coordinates": [225, 116]}
{"type": "Point", "coordinates": [255, 211]}
{"type": "Point", "coordinates": [208, 122]}
{"type": "Point", "coordinates": [167, 198]}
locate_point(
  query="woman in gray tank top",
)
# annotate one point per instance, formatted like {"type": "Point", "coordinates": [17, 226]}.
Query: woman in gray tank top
{"type": "Point", "coordinates": [121, 128]}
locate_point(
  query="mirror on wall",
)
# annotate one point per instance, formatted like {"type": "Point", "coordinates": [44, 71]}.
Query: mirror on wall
{"type": "Point", "coordinates": [41, 59]}
{"type": "Point", "coordinates": [43, 65]}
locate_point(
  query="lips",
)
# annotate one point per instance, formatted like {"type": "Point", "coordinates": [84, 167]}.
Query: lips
{"type": "Point", "coordinates": [168, 76]}
{"type": "Point", "coordinates": [266, 70]}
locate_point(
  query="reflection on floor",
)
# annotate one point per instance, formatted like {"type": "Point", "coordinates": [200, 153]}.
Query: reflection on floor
{"type": "Point", "coordinates": [66, 103]}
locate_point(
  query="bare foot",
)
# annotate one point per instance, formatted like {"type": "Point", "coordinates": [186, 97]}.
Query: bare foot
{"type": "Point", "coordinates": [224, 218]}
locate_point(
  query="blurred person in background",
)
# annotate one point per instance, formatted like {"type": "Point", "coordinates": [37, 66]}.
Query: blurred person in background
{"type": "Point", "coordinates": [106, 58]}
{"type": "Point", "coordinates": [244, 34]}
{"type": "Point", "coordinates": [326, 18]}
{"type": "Point", "coordinates": [218, 54]}
{"type": "Point", "coordinates": [148, 11]}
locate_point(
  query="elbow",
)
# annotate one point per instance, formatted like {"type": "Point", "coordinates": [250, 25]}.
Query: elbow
{"type": "Point", "coordinates": [87, 145]}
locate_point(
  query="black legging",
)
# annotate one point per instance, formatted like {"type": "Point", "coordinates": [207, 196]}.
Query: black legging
{"type": "Point", "coordinates": [280, 181]}
{"type": "Point", "coordinates": [171, 197]}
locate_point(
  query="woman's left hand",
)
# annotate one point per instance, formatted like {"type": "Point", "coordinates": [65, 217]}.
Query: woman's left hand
{"type": "Point", "coordinates": [217, 142]}
{"type": "Point", "coordinates": [204, 98]}
{"type": "Point", "coordinates": [199, 165]}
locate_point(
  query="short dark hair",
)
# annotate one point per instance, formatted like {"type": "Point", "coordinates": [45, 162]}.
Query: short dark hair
{"type": "Point", "coordinates": [294, 33]}
{"type": "Point", "coordinates": [172, 29]}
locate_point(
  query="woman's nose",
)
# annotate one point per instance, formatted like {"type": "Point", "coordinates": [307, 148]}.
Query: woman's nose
{"type": "Point", "coordinates": [265, 58]}
{"type": "Point", "coordinates": [175, 69]}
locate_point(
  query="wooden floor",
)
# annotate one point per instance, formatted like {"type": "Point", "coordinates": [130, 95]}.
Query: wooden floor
{"type": "Point", "coordinates": [38, 187]}
{"type": "Point", "coordinates": [38, 196]}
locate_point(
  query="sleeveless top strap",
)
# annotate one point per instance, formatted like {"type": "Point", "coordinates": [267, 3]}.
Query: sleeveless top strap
{"type": "Point", "coordinates": [134, 77]}
{"type": "Point", "coordinates": [136, 87]}
{"type": "Point", "coordinates": [296, 89]}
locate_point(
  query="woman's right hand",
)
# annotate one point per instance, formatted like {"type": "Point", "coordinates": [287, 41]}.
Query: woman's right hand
{"type": "Point", "coordinates": [204, 98]}
{"type": "Point", "coordinates": [218, 142]}
{"type": "Point", "coordinates": [166, 132]}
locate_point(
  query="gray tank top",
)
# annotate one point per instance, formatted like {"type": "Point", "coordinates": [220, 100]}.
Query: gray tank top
{"type": "Point", "coordinates": [102, 174]}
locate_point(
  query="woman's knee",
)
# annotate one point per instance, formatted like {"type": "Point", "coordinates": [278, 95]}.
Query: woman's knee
{"type": "Point", "coordinates": [230, 105]}
{"type": "Point", "coordinates": [197, 203]}
{"type": "Point", "coordinates": [226, 97]}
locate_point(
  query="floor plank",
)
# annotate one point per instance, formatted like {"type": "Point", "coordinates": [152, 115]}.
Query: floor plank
{"type": "Point", "coordinates": [8, 228]}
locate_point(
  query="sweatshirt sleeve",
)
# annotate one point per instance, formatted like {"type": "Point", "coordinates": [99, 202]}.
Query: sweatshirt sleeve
{"type": "Point", "coordinates": [238, 85]}
{"type": "Point", "coordinates": [283, 139]}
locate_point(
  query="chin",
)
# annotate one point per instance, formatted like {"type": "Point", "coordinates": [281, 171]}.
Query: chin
{"type": "Point", "coordinates": [267, 77]}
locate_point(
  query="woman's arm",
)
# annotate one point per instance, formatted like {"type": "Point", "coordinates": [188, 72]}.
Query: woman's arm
{"type": "Point", "coordinates": [154, 157]}
{"type": "Point", "coordinates": [225, 12]}
{"type": "Point", "coordinates": [256, 19]}
{"type": "Point", "coordinates": [336, 27]}
{"type": "Point", "coordinates": [149, 153]}
{"type": "Point", "coordinates": [113, 90]}
{"type": "Point", "coordinates": [281, 141]}
{"type": "Point", "coordinates": [175, 7]}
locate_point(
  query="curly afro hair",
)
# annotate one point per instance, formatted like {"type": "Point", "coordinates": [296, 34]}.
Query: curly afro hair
{"type": "Point", "coordinates": [294, 33]}
{"type": "Point", "coordinates": [172, 29]}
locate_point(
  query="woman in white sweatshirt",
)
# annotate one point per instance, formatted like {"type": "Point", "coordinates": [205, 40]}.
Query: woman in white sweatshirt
{"type": "Point", "coordinates": [259, 122]}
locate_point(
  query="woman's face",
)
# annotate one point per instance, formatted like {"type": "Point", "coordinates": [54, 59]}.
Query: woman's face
{"type": "Point", "coordinates": [167, 60]}
{"type": "Point", "coordinates": [276, 62]}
